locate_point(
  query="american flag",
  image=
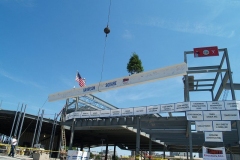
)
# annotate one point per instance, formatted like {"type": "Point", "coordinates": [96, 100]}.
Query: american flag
{"type": "Point", "coordinates": [80, 81]}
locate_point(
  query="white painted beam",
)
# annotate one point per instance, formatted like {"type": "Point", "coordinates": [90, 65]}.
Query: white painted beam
{"type": "Point", "coordinates": [135, 79]}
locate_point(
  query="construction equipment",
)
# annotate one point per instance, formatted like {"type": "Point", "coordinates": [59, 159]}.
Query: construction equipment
{"type": "Point", "coordinates": [63, 153]}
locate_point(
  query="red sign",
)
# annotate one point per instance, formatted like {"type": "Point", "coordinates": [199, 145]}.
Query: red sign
{"type": "Point", "coordinates": [206, 51]}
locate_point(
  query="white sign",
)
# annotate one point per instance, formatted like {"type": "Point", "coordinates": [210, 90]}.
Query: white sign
{"type": "Point", "coordinates": [204, 126]}
{"type": "Point", "coordinates": [158, 74]}
{"type": "Point", "coordinates": [214, 153]}
{"type": "Point", "coordinates": [74, 155]}
{"type": "Point", "coordinates": [85, 114]}
{"type": "Point", "coordinates": [213, 137]}
{"type": "Point", "coordinates": [76, 114]}
{"type": "Point", "coordinates": [140, 110]}
{"type": "Point", "coordinates": [222, 125]}
{"type": "Point", "coordinates": [127, 111]}
{"type": "Point", "coordinates": [167, 107]}
{"type": "Point", "coordinates": [71, 115]}
{"type": "Point", "coordinates": [198, 106]}
{"type": "Point", "coordinates": [153, 109]}
{"type": "Point", "coordinates": [194, 115]}
{"type": "Point", "coordinates": [230, 115]}
{"type": "Point", "coordinates": [232, 105]}
{"type": "Point", "coordinates": [95, 113]}
{"type": "Point", "coordinates": [85, 156]}
{"type": "Point", "coordinates": [77, 155]}
{"type": "Point", "coordinates": [105, 113]}
{"type": "Point", "coordinates": [183, 106]}
{"type": "Point", "coordinates": [216, 105]}
{"type": "Point", "coordinates": [116, 112]}
{"type": "Point", "coordinates": [211, 115]}
{"type": "Point", "coordinates": [67, 117]}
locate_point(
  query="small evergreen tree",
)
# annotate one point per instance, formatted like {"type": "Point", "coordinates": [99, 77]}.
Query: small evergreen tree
{"type": "Point", "coordinates": [91, 155]}
{"type": "Point", "coordinates": [97, 157]}
{"type": "Point", "coordinates": [116, 157]}
{"type": "Point", "coordinates": [134, 65]}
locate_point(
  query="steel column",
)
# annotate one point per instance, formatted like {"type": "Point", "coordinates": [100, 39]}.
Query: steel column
{"type": "Point", "coordinates": [39, 128]}
{"type": "Point", "coordinates": [53, 134]}
{"type": "Point", "coordinates": [19, 116]}
{"type": "Point", "coordinates": [164, 151]}
{"type": "Point", "coordinates": [232, 90]}
{"type": "Point", "coordinates": [13, 123]}
{"type": "Point", "coordinates": [150, 147]}
{"type": "Point", "coordinates": [212, 95]}
{"type": "Point", "coordinates": [114, 152]}
{"type": "Point", "coordinates": [138, 137]}
{"type": "Point", "coordinates": [20, 130]}
{"type": "Point", "coordinates": [73, 126]}
{"type": "Point", "coordinates": [35, 128]}
{"type": "Point", "coordinates": [106, 151]}
{"type": "Point", "coordinates": [187, 99]}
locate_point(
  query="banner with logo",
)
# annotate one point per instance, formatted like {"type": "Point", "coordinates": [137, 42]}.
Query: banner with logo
{"type": "Point", "coordinates": [74, 155]}
{"type": "Point", "coordinates": [194, 115]}
{"type": "Point", "coordinates": [222, 126]}
{"type": "Point", "coordinates": [167, 107]}
{"type": "Point", "coordinates": [204, 126]}
{"type": "Point", "coordinates": [105, 113]}
{"type": "Point", "coordinates": [232, 105]}
{"type": "Point", "coordinates": [127, 111]}
{"type": "Point", "coordinates": [153, 109]}
{"type": "Point", "coordinates": [214, 153]}
{"type": "Point", "coordinates": [116, 112]}
{"type": "Point", "coordinates": [198, 106]}
{"type": "Point", "coordinates": [95, 113]}
{"type": "Point", "coordinates": [230, 115]}
{"type": "Point", "coordinates": [85, 114]}
{"type": "Point", "coordinates": [140, 110]}
{"type": "Point", "coordinates": [195, 111]}
{"type": "Point", "coordinates": [77, 155]}
{"type": "Point", "coordinates": [183, 106]}
{"type": "Point", "coordinates": [85, 156]}
{"type": "Point", "coordinates": [216, 105]}
{"type": "Point", "coordinates": [205, 51]}
{"type": "Point", "coordinates": [76, 114]}
{"type": "Point", "coordinates": [213, 136]}
{"type": "Point", "coordinates": [211, 115]}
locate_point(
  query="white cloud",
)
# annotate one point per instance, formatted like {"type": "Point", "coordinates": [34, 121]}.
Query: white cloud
{"type": "Point", "coordinates": [232, 34]}
{"type": "Point", "coordinates": [19, 80]}
{"type": "Point", "coordinates": [190, 27]}
{"type": "Point", "coordinates": [127, 34]}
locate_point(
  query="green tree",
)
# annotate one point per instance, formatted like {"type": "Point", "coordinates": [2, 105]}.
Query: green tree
{"type": "Point", "coordinates": [116, 157]}
{"type": "Point", "coordinates": [97, 157]}
{"type": "Point", "coordinates": [134, 65]}
{"type": "Point", "coordinates": [91, 155]}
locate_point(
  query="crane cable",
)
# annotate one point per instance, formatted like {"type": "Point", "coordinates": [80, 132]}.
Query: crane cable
{"type": "Point", "coordinates": [105, 43]}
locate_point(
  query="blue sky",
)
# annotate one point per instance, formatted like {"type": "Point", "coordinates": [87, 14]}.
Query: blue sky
{"type": "Point", "coordinates": [43, 44]}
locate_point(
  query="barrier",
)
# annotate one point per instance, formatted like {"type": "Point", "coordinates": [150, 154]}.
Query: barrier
{"type": "Point", "coordinates": [5, 148]}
